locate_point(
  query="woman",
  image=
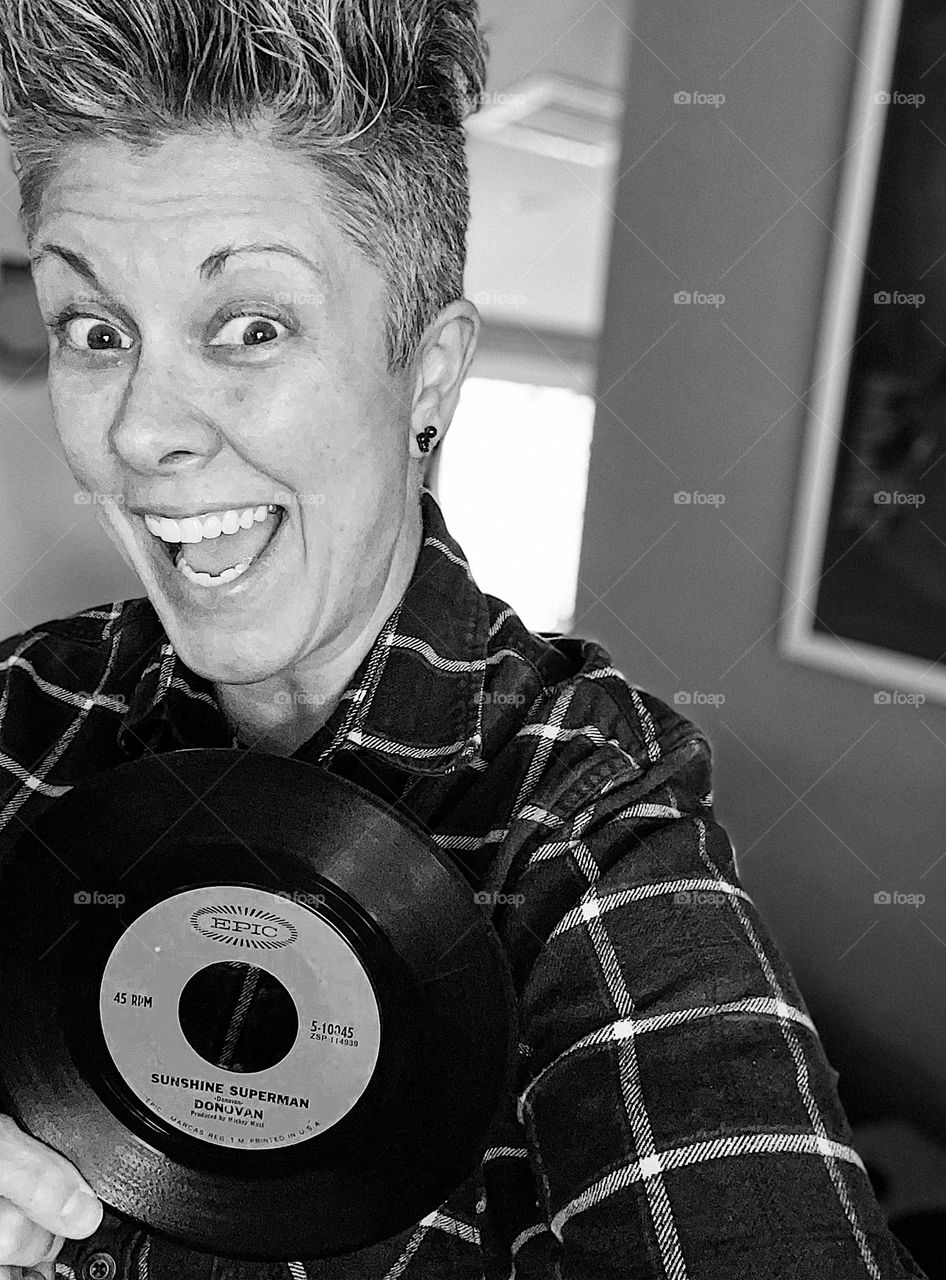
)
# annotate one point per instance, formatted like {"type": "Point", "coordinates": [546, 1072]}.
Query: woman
{"type": "Point", "coordinates": [247, 225]}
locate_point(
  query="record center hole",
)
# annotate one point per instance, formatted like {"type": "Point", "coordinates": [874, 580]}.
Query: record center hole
{"type": "Point", "coordinates": [237, 1016]}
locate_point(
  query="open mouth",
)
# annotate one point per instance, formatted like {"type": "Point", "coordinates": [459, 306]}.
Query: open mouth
{"type": "Point", "coordinates": [228, 556]}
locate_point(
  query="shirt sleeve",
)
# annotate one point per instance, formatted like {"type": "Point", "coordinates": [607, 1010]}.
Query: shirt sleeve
{"type": "Point", "coordinates": [681, 1117]}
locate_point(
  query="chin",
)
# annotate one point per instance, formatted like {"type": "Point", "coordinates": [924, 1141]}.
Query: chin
{"type": "Point", "coordinates": [224, 655]}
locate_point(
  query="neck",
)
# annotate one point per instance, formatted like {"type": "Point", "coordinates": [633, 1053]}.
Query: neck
{"type": "Point", "coordinates": [278, 715]}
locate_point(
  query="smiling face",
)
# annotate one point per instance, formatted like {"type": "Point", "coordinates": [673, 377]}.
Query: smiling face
{"type": "Point", "coordinates": [187, 379]}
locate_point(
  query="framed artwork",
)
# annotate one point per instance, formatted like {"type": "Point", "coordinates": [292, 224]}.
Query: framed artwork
{"type": "Point", "coordinates": [866, 585]}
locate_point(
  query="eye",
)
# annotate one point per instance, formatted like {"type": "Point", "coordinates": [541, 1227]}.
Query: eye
{"type": "Point", "coordinates": [98, 334]}
{"type": "Point", "coordinates": [249, 330]}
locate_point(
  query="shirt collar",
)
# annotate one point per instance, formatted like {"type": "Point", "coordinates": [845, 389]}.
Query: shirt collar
{"type": "Point", "coordinates": [416, 699]}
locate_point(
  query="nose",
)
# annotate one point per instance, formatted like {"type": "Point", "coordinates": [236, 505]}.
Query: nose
{"type": "Point", "coordinates": [160, 426]}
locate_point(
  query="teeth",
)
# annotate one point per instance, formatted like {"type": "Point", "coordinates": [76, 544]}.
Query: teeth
{"type": "Point", "coordinates": [196, 528]}
{"type": "Point", "coordinates": [210, 579]}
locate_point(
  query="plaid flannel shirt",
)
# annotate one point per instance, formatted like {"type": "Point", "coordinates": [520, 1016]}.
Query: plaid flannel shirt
{"type": "Point", "coordinates": [673, 1113]}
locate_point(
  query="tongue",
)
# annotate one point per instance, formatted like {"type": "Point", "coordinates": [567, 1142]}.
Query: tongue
{"type": "Point", "coordinates": [213, 555]}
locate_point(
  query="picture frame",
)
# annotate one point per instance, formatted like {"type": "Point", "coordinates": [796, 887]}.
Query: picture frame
{"type": "Point", "coordinates": [866, 584]}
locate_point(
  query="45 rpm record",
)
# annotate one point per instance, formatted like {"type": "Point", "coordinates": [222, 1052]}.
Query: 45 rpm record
{"type": "Point", "coordinates": [259, 1011]}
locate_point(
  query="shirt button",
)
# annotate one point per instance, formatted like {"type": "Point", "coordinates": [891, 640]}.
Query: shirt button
{"type": "Point", "coordinates": [98, 1266]}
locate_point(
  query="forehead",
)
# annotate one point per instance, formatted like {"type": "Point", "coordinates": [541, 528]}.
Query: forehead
{"type": "Point", "coordinates": [176, 203]}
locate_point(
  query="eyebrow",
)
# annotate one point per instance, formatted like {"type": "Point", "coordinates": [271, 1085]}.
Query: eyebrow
{"type": "Point", "coordinates": [209, 269]}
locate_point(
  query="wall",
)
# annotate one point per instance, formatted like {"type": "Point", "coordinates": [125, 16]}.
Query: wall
{"type": "Point", "coordinates": [828, 798]}
{"type": "Point", "coordinates": [56, 559]}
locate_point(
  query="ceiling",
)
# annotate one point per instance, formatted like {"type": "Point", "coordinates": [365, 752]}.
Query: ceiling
{"type": "Point", "coordinates": [539, 228]}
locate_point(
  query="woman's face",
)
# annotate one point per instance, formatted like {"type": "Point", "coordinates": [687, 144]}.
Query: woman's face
{"type": "Point", "coordinates": [185, 379]}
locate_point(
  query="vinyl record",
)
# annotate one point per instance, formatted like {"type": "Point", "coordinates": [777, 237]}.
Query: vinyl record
{"type": "Point", "coordinates": [260, 1012]}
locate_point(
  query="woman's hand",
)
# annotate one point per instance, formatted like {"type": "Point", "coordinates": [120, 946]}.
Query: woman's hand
{"type": "Point", "coordinates": [43, 1198]}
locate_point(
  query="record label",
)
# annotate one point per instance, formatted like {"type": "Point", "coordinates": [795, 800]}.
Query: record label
{"type": "Point", "coordinates": [240, 1017]}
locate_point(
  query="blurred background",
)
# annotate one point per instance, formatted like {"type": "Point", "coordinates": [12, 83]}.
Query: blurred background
{"type": "Point", "coordinates": [608, 179]}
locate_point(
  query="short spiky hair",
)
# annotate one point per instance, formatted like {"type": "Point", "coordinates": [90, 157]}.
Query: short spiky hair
{"type": "Point", "coordinates": [373, 92]}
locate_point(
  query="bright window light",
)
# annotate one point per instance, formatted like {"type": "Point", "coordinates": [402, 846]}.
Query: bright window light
{"type": "Point", "coordinates": [511, 482]}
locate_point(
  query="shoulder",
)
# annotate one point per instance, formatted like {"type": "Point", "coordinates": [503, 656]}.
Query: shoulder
{"type": "Point", "coordinates": [85, 627]}
{"type": "Point", "coordinates": [65, 684]}
{"type": "Point", "coordinates": [57, 663]}
{"type": "Point", "coordinates": [583, 717]}
{"type": "Point", "coordinates": [95, 627]}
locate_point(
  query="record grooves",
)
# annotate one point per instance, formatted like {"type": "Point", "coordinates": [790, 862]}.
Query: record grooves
{"type": "Point", "coordinates": [260, 1012]}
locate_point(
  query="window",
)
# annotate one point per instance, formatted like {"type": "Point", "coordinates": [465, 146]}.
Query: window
{"type": "Point", "coordinates": [511, 481]}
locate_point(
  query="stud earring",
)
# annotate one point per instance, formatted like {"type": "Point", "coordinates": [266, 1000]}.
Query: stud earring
{"type": "Point", "coordinates": [424, 438]}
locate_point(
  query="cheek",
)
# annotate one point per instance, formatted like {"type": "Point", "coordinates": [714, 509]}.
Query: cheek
{"type": "Point", "coordinates": [82, 410]}
{"type": "Point", "coordinates": [317, 430]}
{"type": "Point", "coordinates": [84, 444]}
{"type": "Point", "coordinates": [282, 435]}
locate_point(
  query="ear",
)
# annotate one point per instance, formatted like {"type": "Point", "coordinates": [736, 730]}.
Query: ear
{"type": "Point", "coordinates": [442, 360]}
